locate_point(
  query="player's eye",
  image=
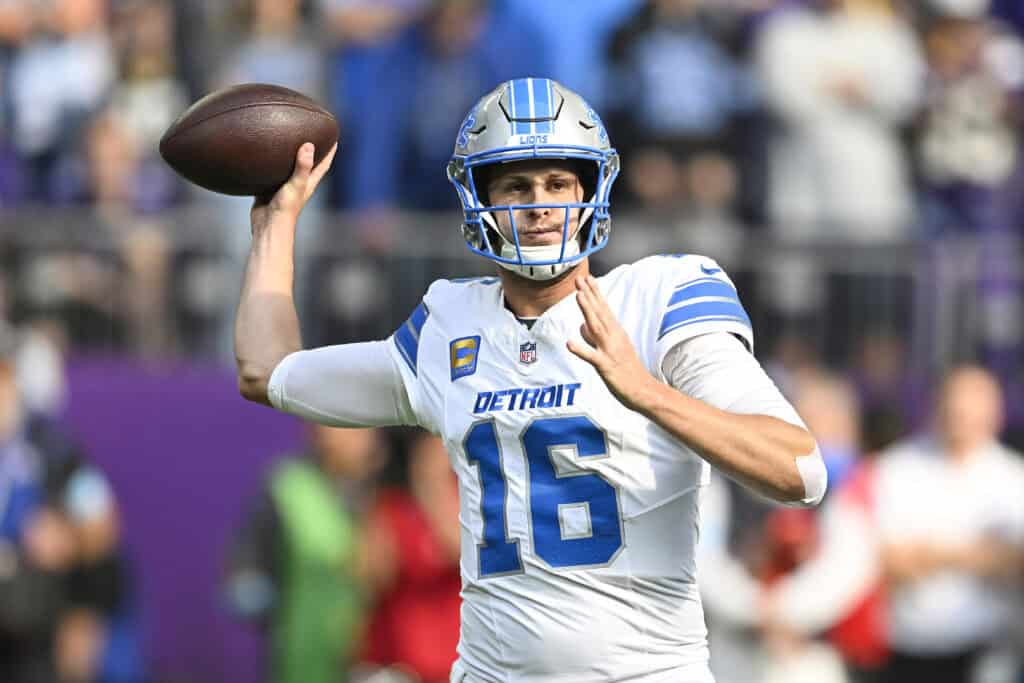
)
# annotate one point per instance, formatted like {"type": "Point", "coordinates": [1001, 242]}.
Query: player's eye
{"type": "Point", "coordinates": [559, 184]}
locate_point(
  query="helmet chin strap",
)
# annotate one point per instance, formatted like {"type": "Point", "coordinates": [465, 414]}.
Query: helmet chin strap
{"type": "Point", "coordinates": [540, 253]}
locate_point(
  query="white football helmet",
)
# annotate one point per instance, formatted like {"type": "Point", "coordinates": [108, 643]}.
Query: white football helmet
{"type": "Point", "coordinates": [534, 118]}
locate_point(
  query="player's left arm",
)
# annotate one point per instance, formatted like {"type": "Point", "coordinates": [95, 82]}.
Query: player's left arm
{"type": "Point", "coordinates": [776, 458]}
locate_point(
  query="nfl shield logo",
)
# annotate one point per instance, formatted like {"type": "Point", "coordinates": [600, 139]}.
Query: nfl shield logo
{"type": "Point", "coordinates": [528, 352]}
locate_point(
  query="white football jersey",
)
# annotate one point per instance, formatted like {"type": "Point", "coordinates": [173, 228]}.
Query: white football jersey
{"type": "Point", "coordinates": [579, 517]}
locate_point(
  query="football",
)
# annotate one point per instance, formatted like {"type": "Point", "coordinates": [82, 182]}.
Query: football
{"type": "Point", "coordinates": [242, 140]}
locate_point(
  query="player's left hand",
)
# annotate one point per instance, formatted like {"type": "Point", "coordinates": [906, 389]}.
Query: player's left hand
{"type": "Point", "coordinates": [608, 347]}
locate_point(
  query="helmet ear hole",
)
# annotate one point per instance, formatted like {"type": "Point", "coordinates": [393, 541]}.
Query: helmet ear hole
{"type": "Point", "coordinates": [481, 181]}
{"type": "Point", "coordinates": [586, 171]}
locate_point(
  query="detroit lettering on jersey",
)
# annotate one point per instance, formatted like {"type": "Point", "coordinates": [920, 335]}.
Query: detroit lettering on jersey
{"type": "Point", "coordinates": [524, 398]}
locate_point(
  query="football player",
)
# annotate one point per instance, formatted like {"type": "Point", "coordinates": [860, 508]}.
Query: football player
{"type": "Point", "coordinates": [581, 414]}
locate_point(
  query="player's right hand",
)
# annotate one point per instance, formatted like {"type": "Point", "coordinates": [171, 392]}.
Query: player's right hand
{"type": "Point", "coordinates": [290, 198]}
{"type": "Point", "coordinates": [607, 347]}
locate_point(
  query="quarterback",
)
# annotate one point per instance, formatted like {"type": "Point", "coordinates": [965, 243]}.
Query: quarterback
{"type": "Point", "coordinates": [581, 414]}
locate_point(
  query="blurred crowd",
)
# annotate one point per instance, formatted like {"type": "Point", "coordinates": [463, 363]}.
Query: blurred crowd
{"type": "Point", "coordinates": [67, 599]}
{"type": "Point", "coordinates": [348, 560]}
{"type": "Point", "coordinates": [911, 570]}
{"type": "Point", "coordinates": [855, 164]}
{"type": "Point", "coordinates": [860, 125]}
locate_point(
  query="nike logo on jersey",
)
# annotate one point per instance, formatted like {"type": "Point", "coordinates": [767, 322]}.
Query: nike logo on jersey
{"type": "Point", "coordinates": [523, 398]}
{"type": "Point", "coordinates": [709, 271]}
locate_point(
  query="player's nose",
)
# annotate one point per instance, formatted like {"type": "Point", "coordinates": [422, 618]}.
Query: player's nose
{"type": "Point", "coordinates": [540, 196]}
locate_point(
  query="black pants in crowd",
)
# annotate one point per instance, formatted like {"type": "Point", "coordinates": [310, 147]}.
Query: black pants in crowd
{"type": "Point", "coordinates": [951, 668]}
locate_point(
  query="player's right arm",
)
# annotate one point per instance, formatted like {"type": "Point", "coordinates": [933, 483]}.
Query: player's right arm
{"type": "Point", "coordinates": [350, 385]}
{"type": "Point", "coordinates": [266, 325]}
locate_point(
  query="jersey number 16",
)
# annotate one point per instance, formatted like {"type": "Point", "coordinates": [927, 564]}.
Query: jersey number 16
{"type": "Point", "coordinates": [550, 495]}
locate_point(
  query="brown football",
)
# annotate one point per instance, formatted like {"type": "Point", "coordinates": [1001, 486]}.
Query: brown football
{"type": "Point", "coordinates": [242, 140]}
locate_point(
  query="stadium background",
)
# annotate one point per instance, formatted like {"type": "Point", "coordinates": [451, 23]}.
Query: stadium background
{"type": "Point", "coordinates": [873, 227]}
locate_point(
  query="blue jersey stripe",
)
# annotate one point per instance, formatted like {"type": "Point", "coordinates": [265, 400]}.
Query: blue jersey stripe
{"type": "Point", "coordinates": [408, 345]}
{"type": "Point", "coordinates": [709, 319]}
{"type": "Point", "coordinates": [418, 317]}
{"type": "Point", "coordinates": [402, 352]}
{"type": "Point", "coordinates": [702, 288]}
{"type": "Point", "coordinates": [407, 337]}
{"type": "Point", "coordinates": [703, 312]}
{"type": "Point", "coordinates": [484, 280]}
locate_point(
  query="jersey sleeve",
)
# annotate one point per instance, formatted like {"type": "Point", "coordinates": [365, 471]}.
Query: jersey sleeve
{"type": "Point", "coordinates": [716, 369]}
{"type": "Point", "coordinates": [418, 355]}
{"type": "Point", "coordinates": [695, 297]}
{"type": "Point", "coordinates": [348, 385]}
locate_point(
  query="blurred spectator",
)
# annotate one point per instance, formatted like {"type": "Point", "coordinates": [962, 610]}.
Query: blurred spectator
{"type": "Point", "coordinates": [59, 76]}
{"type": "Point", "coordinates": [889, 386]}
{"type": "Point", "coordinates": [676, 92]}
{"type": "Point", "coordinates": [791, 539]}
{"type": "Point", "coordinates": [97, 637]}
{"type": "Point", "coordinates": [423, 86]}
{"type": "Point", "coordinates": [575, 42]}
{"type": "Point", "coordinates": [785, 595]}
{"type": "Point", "coordinates": [94, 137]}
{"type": "Point", "coordinates": [111, 157]}
{"type": "Point", "coordinates": [294, 566]}
{"type": "Point", "coordinates": [277, 48]}
{"type": "Point", "coordinates": [29, 594]}
{"type": "Point", "coordinates": [951, 518]}
{"type": "Point", "coordinates": [968, 139]}
{"type": "Point", "coordinates": [728, 591]}
{"type": "Point", "coordinates": [363, 23]}
{"type": "Point", "coordinates": [67, 611]}
{"type": "Point", "coordinates": [361, 33]}
{"type": "Point", "coordinates": [828, 405]}
{"type": "Point", "coordinates": [968, 148]}
{"type": "Point", "coordinates": [414, 568]}
{"type": "Point", "coordinates": [148, 96]}
{"type": "Point", "coordinates": [836, 591]}
{"type": "Point", "coordinates": [841, 79]}
{"type": "Point", "coordinates": [270, 41]}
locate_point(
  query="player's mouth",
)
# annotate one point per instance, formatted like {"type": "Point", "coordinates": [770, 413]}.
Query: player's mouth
{"type": "Point", "coordinates": [533, 237]}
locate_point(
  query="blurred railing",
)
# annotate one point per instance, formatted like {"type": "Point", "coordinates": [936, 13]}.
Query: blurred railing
{"type": "Point", "coordinates": [168, 284]}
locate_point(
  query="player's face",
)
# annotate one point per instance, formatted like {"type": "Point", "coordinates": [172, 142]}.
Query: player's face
{"type": "Point", "coordinates": [540, 181]}
{"type": "Point", "coordinates": [971, 407]}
